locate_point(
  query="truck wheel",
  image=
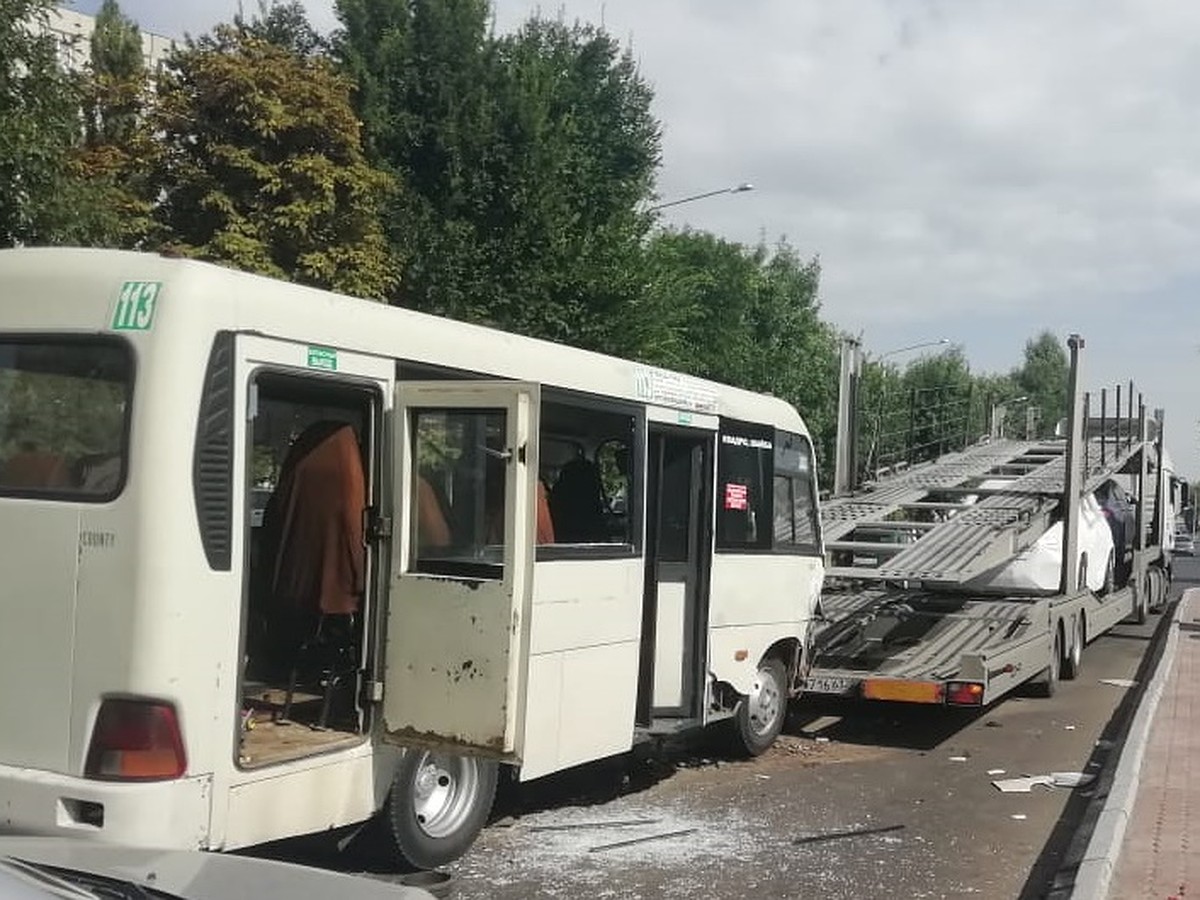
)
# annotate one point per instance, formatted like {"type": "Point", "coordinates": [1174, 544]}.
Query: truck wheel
{"type": "Point", "coordinates": [1046, 682]}
{"type": "Point", "coordinates": [438, 804]}
{"type": "Point", "coordinates": [1074, 659]}
{"type": "Point", "coordinates": [1158, 590]}
{"type": "Point", "coordinates": [760, 716]}
{"type": "Point", "coordinates": [1143, 599]}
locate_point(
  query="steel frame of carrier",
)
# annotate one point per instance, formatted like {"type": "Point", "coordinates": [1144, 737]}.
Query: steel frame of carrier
{"type": "Point", "coordinates": [901, 618]}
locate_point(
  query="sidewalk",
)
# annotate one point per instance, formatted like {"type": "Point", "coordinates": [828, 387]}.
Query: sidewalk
{"type": "Point", "coordinates": [1145, 843]}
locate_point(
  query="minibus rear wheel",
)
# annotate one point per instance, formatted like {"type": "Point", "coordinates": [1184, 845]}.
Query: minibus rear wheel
{"type": "Point", "coordinates": [438, 804]}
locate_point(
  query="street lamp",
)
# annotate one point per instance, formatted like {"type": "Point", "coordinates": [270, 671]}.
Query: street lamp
{"type": "Point", "coordinates": [921, 346]}
{"type": "Point", "coordinates": [998, 413]}
{"type": "Point", "coordinates": [736, 189]}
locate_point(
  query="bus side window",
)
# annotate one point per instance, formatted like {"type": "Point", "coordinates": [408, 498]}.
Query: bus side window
{"type": "Point", "coordinates": [585, 453]}
{"type": "Point", "coordinates": [796, 526]}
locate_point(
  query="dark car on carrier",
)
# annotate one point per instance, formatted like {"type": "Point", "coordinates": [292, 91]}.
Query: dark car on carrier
{"type": "Point", "coordinates": [1121, 515]}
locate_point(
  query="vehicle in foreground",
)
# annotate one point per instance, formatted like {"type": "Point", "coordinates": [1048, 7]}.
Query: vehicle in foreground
{"type": "Point", "coordinates": [41, 867]}
{"type": "Point", "coordinates": [277, 560]}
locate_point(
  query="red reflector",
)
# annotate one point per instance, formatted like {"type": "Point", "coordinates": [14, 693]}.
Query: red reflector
{"type": "Point", "coordinates": [964, 693]}
{"type": "Point", "coordinates": [135, 740]}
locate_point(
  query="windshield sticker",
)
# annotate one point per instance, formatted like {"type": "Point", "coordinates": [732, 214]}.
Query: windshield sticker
{"type": "Point", "coordinates": [737, 496]}
{"type": "Point", "coordinates": [136, 305]}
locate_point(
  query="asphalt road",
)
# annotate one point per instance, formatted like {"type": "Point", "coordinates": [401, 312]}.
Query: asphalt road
{"type": "Point", "coordinates": [855, 800]}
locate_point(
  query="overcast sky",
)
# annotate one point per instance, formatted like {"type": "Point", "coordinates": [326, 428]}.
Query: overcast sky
{"type": "Point", "coordinates": [972, 169]}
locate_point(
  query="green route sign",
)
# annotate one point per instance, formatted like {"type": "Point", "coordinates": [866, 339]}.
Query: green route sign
{"type": "Point", "coordinates": [136, 305]}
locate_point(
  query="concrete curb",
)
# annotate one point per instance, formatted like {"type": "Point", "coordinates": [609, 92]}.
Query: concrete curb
{"type": "Point", "coordinates": [1104, 849]}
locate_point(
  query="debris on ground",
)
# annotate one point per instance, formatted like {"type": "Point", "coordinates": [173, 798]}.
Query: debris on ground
{"type": "Point", "coordinates": [642, 840]}
{"type": "Point", "coordinates": [848, 833]}
{"type": "Point", "coordinates": [616, 823]}
{"type": "Point", "coordinates": [1119, 682]}
{"type": "Point", "coordinates": [1026, 783]}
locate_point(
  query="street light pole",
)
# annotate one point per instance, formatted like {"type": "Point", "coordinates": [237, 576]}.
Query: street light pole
{"type": "Point", "coordinates": [736, 189]}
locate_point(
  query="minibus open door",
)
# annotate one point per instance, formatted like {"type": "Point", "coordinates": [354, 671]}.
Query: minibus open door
{"type": "Point", "coordinates": [465, 481]}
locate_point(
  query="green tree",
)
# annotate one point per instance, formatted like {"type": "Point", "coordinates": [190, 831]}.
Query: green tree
{"type": "Point", "coordinates": [284, 23]}
{"type": "Point", "coordinates": [118, 147]}
{"type": "Point", "coordinates": [940, 392]}
{"type": "Point", "coordinates": [1043, 377]}
{"type": "Point", "coordinates": [525, 157]}
{"type": "Point", "coordinates": [120, 76]}
{"type": "Point", "coordinates": [263, 166]}
{"type": "Point", "coordinates": [744, 316]}
{"type": "Point", "coordinates": [39, 127]}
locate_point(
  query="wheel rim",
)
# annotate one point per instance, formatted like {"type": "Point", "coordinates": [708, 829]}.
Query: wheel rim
{"type": "Point", "coordinates": [1077, 647]}
{"type": "Point", "coordinates": [444, 792]}
{"type": "Point", "coordinates": [765, 702]}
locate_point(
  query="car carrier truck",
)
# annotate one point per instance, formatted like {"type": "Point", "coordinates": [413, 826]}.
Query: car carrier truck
{"type": "Point", "coordinates": [905, 615]}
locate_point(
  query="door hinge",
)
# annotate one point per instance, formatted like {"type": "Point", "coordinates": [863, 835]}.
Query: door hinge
{"type": "Point", "coordinates": [379, 527]}
{"type": "Point", "coordinates": [374, 691]}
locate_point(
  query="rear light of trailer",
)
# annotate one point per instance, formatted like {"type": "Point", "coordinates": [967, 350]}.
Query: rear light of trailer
{"type": "Point", "coordinates": [135, 740]}
{"type": "Point", "coordinates": [964, 693]}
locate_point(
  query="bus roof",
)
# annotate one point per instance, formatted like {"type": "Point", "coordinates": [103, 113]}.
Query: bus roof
{"type": "Point", "coordinates": [77, 289]}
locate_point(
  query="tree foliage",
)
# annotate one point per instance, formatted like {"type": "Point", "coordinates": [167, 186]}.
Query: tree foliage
{"type": "Point", "coordinates": [1042, 377]}
{"type": "Point", "coordinates": [525, 158]}
{"type": "Point", "coordinates": [745, 316]}
{"type": "Point", "coordinates": [39, 127]}
{"type": "Point", "coordinates": [284, 23]}
{"type": "Point", "coordinates": [262, 166]}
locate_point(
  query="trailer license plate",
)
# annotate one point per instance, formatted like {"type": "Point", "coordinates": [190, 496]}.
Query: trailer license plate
{"type": "Point", "coordinates": [828, 684]}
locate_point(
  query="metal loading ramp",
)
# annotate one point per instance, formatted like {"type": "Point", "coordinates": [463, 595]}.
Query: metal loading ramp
{"type": "Point", "coordinates": [947, 521]}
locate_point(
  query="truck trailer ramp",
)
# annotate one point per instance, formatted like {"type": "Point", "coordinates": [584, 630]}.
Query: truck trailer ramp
{"type": "Point", "coordinates": [940, 647]}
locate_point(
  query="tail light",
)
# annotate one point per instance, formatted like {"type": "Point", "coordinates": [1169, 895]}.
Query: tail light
{"type": "Point", "coordinates": [964, 693]}
{"type": "Point", "coordinates": [135, 740]}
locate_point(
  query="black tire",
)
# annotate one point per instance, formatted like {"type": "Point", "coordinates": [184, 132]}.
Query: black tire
{"type": "Point", "coordinates": [438, 804]}
{"type": "Point", "coordinates": [760, 716]}
{"type": "Point", "coordinates": [1045, 683]}
{"type": "Point", "coordinates": [1160, 584]}
{"type": "Point", "coordinates": [1073, 661]}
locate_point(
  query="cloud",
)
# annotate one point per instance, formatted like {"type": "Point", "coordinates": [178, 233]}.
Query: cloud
{"type": "Point", "coordinates": [994, 166]}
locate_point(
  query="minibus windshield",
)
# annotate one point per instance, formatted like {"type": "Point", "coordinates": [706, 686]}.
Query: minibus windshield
{"type": "Point", "coordinates": [64, 408]}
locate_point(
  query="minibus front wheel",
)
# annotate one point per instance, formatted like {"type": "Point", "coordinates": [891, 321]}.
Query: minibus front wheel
{"type": "Point", "coordinates": [760, 715]}
{"type": "Point", "coordinates": [438, 804]}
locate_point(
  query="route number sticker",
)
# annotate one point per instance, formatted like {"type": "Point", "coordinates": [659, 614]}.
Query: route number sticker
{"type": "Point", "coordinates": [136, 306]}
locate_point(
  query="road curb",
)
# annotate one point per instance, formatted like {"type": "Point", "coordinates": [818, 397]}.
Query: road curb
{"type": "Point", "coordinates": [1103, 850]}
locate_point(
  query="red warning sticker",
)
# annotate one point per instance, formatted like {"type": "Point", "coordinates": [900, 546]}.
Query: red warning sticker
{"type": "Point", "coordinates": [736, 496]}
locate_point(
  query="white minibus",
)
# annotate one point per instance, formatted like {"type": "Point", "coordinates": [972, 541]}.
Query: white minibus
{"type": "Point", "coordinates": [275, 560]}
